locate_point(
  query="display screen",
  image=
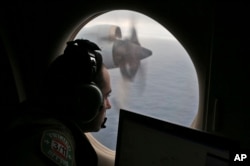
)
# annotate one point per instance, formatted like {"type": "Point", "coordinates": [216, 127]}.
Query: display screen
{"type": "Point", "coordinates": [146, 141]}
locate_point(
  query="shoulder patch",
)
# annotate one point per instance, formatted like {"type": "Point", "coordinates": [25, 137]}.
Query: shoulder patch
{"type": "Point", "coordinates": [57, 147]}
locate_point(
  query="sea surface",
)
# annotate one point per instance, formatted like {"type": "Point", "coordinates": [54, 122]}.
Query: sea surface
{"type": "Point", "coordinates": [165, 87]}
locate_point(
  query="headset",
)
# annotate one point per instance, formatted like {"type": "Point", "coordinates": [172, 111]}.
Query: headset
{"type": "Point", "coordinates": [81, 99]}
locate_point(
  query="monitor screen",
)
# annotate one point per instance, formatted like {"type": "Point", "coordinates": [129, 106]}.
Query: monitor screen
{"type": "Point", "coordinates": [146, 141]}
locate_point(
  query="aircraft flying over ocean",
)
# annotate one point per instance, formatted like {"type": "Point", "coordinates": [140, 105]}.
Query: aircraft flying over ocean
{"type": "Point", "coordinates": [33, 33]}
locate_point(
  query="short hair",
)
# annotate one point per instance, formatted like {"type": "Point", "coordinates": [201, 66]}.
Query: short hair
{"type": "Point", "coordinates": [72, 69]}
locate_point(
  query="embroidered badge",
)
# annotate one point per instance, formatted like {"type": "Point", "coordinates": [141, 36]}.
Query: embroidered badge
{"type": "Point", "coordinates": [57, 147]}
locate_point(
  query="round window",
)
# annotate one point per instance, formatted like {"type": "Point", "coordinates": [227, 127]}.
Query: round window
{"type": "Point", "coordinates": [151, 72]}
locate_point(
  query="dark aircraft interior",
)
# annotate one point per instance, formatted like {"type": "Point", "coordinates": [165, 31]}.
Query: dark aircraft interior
{"type": "Point", "coordinates": [214, 33]}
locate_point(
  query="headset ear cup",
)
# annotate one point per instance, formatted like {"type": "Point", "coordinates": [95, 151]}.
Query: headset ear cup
{"type": "Point", "coordinates": [88, 103]}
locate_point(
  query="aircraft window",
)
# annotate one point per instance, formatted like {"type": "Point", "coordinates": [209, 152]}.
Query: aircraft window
{"type": "Point", "coordinates": [151, 72]}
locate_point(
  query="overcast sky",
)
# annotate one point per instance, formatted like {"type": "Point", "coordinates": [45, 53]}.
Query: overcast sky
{"type": "Point", "coordinates": [145, 26]}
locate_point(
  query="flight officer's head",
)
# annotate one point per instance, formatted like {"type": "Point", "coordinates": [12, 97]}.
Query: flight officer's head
{"type": "Point", "coordinates": [77, 86]}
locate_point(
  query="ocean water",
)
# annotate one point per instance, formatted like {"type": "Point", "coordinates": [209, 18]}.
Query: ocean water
{"type": "Point", "coordinates": [165, 87]}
